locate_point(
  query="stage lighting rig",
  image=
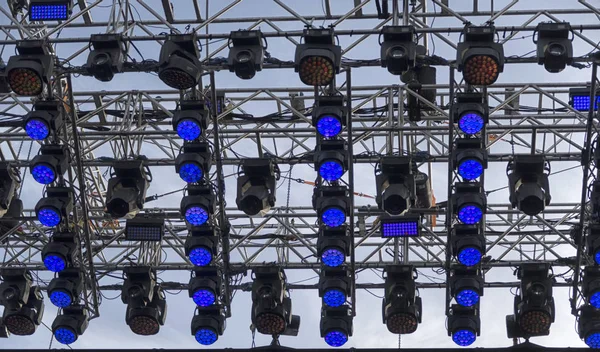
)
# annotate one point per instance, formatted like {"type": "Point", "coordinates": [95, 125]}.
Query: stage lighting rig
{"type": "Point", "coordinates": [318, 59]}
{"type": "Point", "coordinates": [332, 204]}
{"type": "Point", "coordinates": [466, 285]}
{"type": "Point", "coordinates": [271, 304]}
{"type": "Point", "coordinates": [71, 324]}
{"type": "Point", "coordinates": [534, 305]}
{"type": "Point", "coordinates": [65, 289]}
{"type": "Point", "coordinates": [201, 245]}
{"type": "Point", "coordinates": [579, 99]}
{"type": "Point", "coordinates": [23, 303]}
{"type": "Point", "coordinates": [205, 286]}
{"type": "Point", "coordinates": [9, 183]}
{"type": "Point", "coordinates": [401, 308]}
{"type": "Point", "coordinates": [589, 326]}
{"type": "Point", "coordinates": [190, 121]}
{"type": "Point", "coordinates": [55, 207]}
{"type": "Point", "coordinates": [479, 58]}
{"type": "Point", "coordinates": [179, 66]}
{"type": "Point", "coordinates": [44, 120]}
{"type": "Point", "coordinates": [470, 112]}
{"type": "Point", "coordinates": [528, 183]}
{"type": "Point", "coordinates": [146, 303]}
{"type": "Point", "coordinates": [335, 285]}
{"type": "Point", "coordinates": [469, 202]}
{"type": "Point", "coordinates": [464, 324]}
{"type": "Point", "coordinates": [15, 287]}
{"type": "Point", "coordinates": [407, 225]}
{"type": "Point", "coordinates": [256, 186]}
{"type": "Point", "coordinates": [336, 325]}
{"type": "Point", "coordinates": [468, 244]}
{"type": "Point", "coordinates": [329, 115]}
{"type": "Point", "coordinates": [591, 285]}
{"type": "Point", "coordinates": [331, 159]}
{"type": "Point", "coordinates": [127, 188]}
{"type": "Point", "coordinates": [50, 10]}
{"type": "Point", "coordinates": [208, 324]}
{"type": "Point", "coordinates": [246, 54]}
{"type": "Point", "coordinates": [194, 163]}
{"type": "Point", "coordinates": [398, 49]}
{"type": "Point", "coordinates": [108, 56]}
{"type": "Point", "coordinates": [145, 227]}
{"type": "Point", "coordinates": [198, 205]}
{"type": "Point", "coordinates": [59, 253]}
{"type": "Point", "coordinates": [470, 158]}
{"type": "Point", "coordinates": [28, 72]}
{"type": "Point", "coordinates": [554, 47]}
{"type": "Point", "coordinates": [138, 287]}
{"type": "Point", "coordinates": [333, 245]}
{"type": "Point", "coordinates": [396, 191]}
{"type": "Point", "coordinates": [50, 164]}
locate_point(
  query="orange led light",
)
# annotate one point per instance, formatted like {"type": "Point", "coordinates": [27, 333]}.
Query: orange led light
{"type": "Point", "coordinates": [25, 81]}
{"type": "Point", "coordinates": [316, 71]}
{"type": "Point", "coordinates": [481, 70]}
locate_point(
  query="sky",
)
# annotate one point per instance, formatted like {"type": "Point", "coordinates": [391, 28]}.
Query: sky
{"type": "Point", "coordinates": [110, 330]}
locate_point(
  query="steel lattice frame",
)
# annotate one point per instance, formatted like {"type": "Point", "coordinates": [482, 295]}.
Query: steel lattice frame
{"type": "Point", "coordinates": [288, 233]}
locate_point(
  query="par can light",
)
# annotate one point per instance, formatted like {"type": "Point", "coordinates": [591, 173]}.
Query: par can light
{"type": "Point", "coordinates": [318, 59]}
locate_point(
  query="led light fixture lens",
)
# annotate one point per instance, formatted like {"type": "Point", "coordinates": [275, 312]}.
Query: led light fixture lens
{"type": "Point", "coordinates": [597, 257]}
{"type": "Point", "coordinates": [400, 229]}
{"type": "Point", "coordinates": [196, 216]}
{"type": "Point", "coordinates": [535, 322]}
{"type": "Point", "coordinates": [402, 323]}
{"type": "Point", "coordinates": [144, 325]}
{"type": "Point", "coordinates": [595, 300]}
{"type": "Point", "coordinates": [329, 126]}
{"type": "Point", "coordinates": [333, 217]}
{"type": "Point", "coordinates": [316, 71]}
{"type": "Point", "coordinates": [48, 12]}
{"type": "Point", "coordinates": [60, 298]}
{"type": "Point", "coordinates": [204, 298]}
{"type": "Point", "coordinates": [467, 298]}
{"type": "Point", "coordinates": [176, 78]}
{"type": "Point", "coordinates": [270, 324]}
{"type": "Point", "coordinates": [25, 81]}
{"type": "Point", "coordinates": [469, 256]}
{"type": "Point", "coordinates": [331, 170]}
{"type": "Point", "coordinates": [464, 337]}
{"type": "Point", "coordinates": [481, 70]}
{"type": "Point", "coordinates": [470, 214]}
{"type": "Point", "coordinates": [336, 338]}
{"type": "Point", "coordinates": [190, 172]}
{"type": "Point", "coordinates": [200, 256]}
{"type": "Point", "coordinates": [582, 102]}
{"type": "Point", "coordinates": [593, 340]}
{"type": "Point", "coordinates": [37, 129]}
{"type": "Point", "coordinates": [188, 130]}
{"type": "Point", "coordinates": [332, 257]}
{"type": "Point", "coordinates": [55, 263]}
{"type": "Point", "coordinates": [65, 335]}
{"type": "Point", "coordinates": [471, 123]}
{"type": "Point", "coordinates": [470, 169]}
{"type": "Point", "coordinates": [334, 298]}
{"type": "Point", "coordinates": [206, 336]}
{"type": "Point", "coordinates": [43, 174]}
{"type": "Point", "coordinates": [49, 217]}
{"type": "Point", "coordinates": [19, 325]}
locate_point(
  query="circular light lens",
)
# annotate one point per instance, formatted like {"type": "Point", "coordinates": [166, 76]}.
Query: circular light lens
{"type": "Point", "coordinates": [555, 49]}
{"type": "Point", "coordinates": [470, 123]}
{"type": "Point", "coordinates": [535, 322]}
{"type": "Point", "coordinates": [19, 325]}
{"type": "Point", "coordinates": [329, 126]}
{"type": "Point", "coordinates": [336, 338]}
{"type": "Point", "coordinates": [190, 172]}
{"type": "Point", "coordinates": [470, 214]}
{"type": "Point", "coordinates": [176, 78]}
{"type": "Point", "coordinates": [332, 257]}
{"type": "Point", "coordinates": [196, 216]}
{"type": "Point", "coordinates": [204, 298]}
{"type": "Point", "coordinates": [331, 170]}
{"type": "Point", "coordinates": [467, 298]}
{"type": "Point", "coordinates": [60, 298]}
{"type": "Point", "coordinates": [595, 300]}
{"type": "Point", "coordinates": [65, 335]}
{"type": "Point", "coordinates": [402, 323]}
{"type": "Point", "coordinates": [464, 337]}
{"type": "Point", "coordinates": [333, 217]}
{"type": "Point", "coordinates": [469, 256]}
{"type": "Point", "coordinates": [49, 217]}
{"type": "Point", "coordinates": [316, 71]}
{"type": "Point", "coordinates": [206, 336]}
{"type": "Point", "coordinates": [25, 81]}
{"type": "Point", "coordinates": [470, 169]}
{"type": "Point", "coordinates": [334, 298]}
{"type": "Point", "coordinates": [55, 263]}
{"type": "Point", "coordinates": [398, 52]}
{"type": "Point", "coordinates": [188, 130]}
{"type": "Point", "coordinates": [43, 173]}
{"type": "Point", "coordinates": [243, 57]}
{"type": "Point", "coordinates": [270, 324]}
{"type": "Point", "coordinates": [481, 70]}
{"type": "Point", "coordinates": [37, 129]}
{"type": "Point", "coordinates": [593, 340]}
{"type": "Point", "coordinates": [144, 325]}
{"type": "Point", "coordinates": [597, 257]}
{"type": "Point", "coordinates": [200, 256]}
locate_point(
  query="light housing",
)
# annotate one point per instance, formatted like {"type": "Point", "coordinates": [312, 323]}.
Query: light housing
{"type": "Point", "coordinates": [469, 202]}
{"type": "Point", "coordinates": [528, 183]}
{"type": "Point", "coordinates": [65, 289]}
{"type": "Point", "coordinates": [147, 320]}
{"type": "Point", "coordinates": [479, 58]}
{"type": "Point", "coordinates": [589, 326]}
{"type": "Point", "coordinates": [23, 319]}
{"type": "Point", "coordinates": [145, 227]}
{"type": "Point", "coordinates": [208, 324]}
{"type": "Point", "coordinates": [591, 285]}
{"type": "Point", "coordinates": [329, 115]}
{"type": "Point", "coordinates": [318, 59]}
{"type": "Point", "coordinates": [407, 225]}
{"type": "Point", "coordinates": [468, 244]}
{"type": "Point", "coordinates": [333, 245]}
{"type": "Point", "coordinates": [108, 56]}
{"type": "Point", "coordinates": [179, 66]}
{"type": "Point", "coordinates": [201, 245]}
{"type": "Point", "coordinates": [15, 287]}
{"type": "Point", "coordinates": [190, 121]}
{"type": "Point", "coordinates": [55, 207]}
{"type": "Point", "coordinates": [49, 10]}
{"type": "Point", "coordinates": [466, 286]}
{"type": "Point", "coordinates": [45, 120]}
{"type": "Point", "coordinates": [332, 204]}
{"type": "Point", "coordinates": [395, 184]}
{"type": "Point", "coordinates": [464, 324]}
{"type": "Point", "coordinates": [398, 49]}
{"type": "Point", "coordinates": [246, 54]}
{"type": "Point", "coordinates": [138, 287]}
{"type": "Point", "coordinates": [336, 325]}
{"type": "Point", "coordinates": [29, 72]}
{"type": "Point", "coordinates": [50, 164]}
{"type": "Point", "coordinates": [593, 242]}
{"type": "Point", "coordinates": [9, 183]}
{"type": "Point", "coordinates": [579, 99]}
{"type": "Point", "coordinates": [198, 206]}
{"type": "Point", "coordinates": [59, 253]}
{"type": "Point", "coordinates": [335, 285]}
{"type": "Point", "coordinates": [554, 47]}
{"type": "Point", "coordinates": [331, 159]}
{"type": "Point", "coordinates": [256, 186]}
{"type": "Point", "coordinates": [127, 186]}
{"type": "Point", "coordinates": [401, 308]}
{"type": "Point", "coordinates": [193, 165]}
{"type": "Point", "coordinates": [71, 324]}
{"type": "Point", "coordinates": [470, 158]}
{"type": "Point", "coordinates": [470, 112]}
{"type": "Point", "coordinates": [205, 286]}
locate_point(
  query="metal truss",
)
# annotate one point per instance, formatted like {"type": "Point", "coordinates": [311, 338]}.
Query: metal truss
{"type": "Point", "coordinates": [105, 125]}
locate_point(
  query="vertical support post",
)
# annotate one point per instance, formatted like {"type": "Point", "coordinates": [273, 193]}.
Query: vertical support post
{"type": "Point", "coordinates": [449, 205]}
{"type": "Point", "coordinates": [351, 183]}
